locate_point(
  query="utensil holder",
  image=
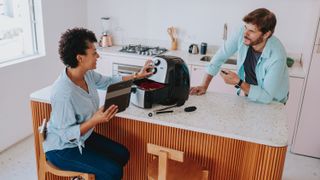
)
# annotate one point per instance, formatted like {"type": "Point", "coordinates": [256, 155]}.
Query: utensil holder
{"type": "Point", "coordinates": [174, 45]}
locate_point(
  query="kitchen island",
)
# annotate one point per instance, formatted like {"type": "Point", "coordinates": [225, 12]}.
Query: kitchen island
{"type": "Point", "coordinates": [229, 135]}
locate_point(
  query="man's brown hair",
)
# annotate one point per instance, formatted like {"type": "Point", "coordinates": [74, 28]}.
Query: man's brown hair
{"type": "Point", "coordinates": [264, 19]}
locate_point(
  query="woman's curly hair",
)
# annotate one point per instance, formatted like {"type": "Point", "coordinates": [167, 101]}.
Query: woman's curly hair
{"type": "Point", "coordinates": [73, 42]}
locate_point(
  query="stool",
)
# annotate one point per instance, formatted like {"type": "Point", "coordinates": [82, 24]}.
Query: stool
{"type": "Point", "coordinates": [170, 164]}
{"type": "Point", "coordinates": [45, 166]}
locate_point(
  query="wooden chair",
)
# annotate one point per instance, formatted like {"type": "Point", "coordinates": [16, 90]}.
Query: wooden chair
{"type": "Point", "coordinates": [45, 166]}
{"type": "Point", "coordinates": [170, 164]}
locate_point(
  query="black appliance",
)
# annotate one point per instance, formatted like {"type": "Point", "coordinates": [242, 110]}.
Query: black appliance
{"type": "Point", "coordinates": [170, 83]}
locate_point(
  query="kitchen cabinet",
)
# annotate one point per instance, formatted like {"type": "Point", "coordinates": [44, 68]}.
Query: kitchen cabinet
{"type": "Point", "coordinates": [217, 84]}
{"type": "Point", "coordinates": [293, 104]}
{"type": "Point", "coordinates": [306, 140]}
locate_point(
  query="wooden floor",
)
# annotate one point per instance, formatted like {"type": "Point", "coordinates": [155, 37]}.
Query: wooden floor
{"type": "Point", "coordinates": [225, 158]}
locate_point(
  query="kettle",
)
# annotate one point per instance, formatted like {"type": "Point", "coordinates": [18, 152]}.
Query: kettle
{"type": "Point", "coordinates": [193, 49]}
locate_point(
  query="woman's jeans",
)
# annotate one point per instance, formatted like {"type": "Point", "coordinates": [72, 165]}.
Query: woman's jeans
{"type": "Point", "coordinates": [101, 156]}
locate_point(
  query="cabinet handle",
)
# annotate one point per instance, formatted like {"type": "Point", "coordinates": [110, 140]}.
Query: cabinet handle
{"type": "Point", "coordinates": [318, 48]}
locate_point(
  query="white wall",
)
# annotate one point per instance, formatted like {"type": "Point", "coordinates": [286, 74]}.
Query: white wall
{"type": "Point", "coordinates": [202, 20]}
{"type": "Point", "coordinates": [19, 80]}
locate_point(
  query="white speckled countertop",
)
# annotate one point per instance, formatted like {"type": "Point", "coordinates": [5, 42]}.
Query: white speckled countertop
{"type": "Point", "coordinates": [218, 114]}
{"type": "Point", "coordinates": [194, 59]}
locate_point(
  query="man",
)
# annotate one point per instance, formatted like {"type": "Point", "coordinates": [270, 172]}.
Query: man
{"type": "Point", "coordinates": [262, 73]}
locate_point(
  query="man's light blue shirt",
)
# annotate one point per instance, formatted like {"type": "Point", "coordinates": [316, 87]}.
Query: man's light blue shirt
{"type": "Point", "coordinates": [71, 106]}
{"type": "Point", "coordinates": [271, 70]}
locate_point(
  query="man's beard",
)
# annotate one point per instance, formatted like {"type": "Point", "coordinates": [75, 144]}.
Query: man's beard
{"type": "Point", "coordinates": [253, 43]}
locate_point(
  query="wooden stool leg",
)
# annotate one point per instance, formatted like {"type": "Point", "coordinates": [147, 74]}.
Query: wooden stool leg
{"type": "Point", "coordinates": [162, 167]}
{"type": "Point", "coordinates": [205, 175]}
{"type": "Point", "coordinates": [42, 171]}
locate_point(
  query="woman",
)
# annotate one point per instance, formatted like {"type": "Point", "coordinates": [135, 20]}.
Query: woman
{"type": "Point", "coordinates": [71, 143]}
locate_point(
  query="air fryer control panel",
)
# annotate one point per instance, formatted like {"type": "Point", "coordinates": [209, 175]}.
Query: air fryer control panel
{"type": "Point", "coordinates": [160, 70]}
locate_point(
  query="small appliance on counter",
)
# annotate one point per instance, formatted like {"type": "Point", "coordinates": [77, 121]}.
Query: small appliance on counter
{"type": "Point", "coordinates": [193, 49]}
{"type": "Point", "coordinates": [203, 49]}
{"type": "Point", "coordinates": [170, 83]}
{"type": "Point", "coordinates": [106, 38]}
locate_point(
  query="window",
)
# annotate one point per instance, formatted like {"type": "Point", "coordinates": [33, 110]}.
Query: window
{"type": "Point", "coordinates": [20, 32]}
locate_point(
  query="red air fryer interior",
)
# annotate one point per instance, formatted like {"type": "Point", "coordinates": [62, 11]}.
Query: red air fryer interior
{"type": "Point", "coordinates": [150, 85]}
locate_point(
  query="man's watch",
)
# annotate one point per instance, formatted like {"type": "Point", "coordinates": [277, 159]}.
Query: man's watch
{"type": "Point", "coordinates": [239, 84]}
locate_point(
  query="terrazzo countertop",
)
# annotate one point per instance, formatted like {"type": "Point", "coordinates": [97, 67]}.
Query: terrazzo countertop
{"type": "Point", "coordinates": [217, 114]}
{"type": "Point", "coordinates": [194, 59]}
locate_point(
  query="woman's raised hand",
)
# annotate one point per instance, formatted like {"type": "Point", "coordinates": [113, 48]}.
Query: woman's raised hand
{"type": "Point", "coordinates": [146, 70]}
{"type": "Point", "coordinates": [100, 116]}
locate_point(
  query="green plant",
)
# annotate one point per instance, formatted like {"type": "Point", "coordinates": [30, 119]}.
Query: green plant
{"type": "Point", "coordinates": [290, 61]}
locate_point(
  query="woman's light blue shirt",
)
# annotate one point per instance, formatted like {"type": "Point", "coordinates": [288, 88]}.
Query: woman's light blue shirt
{"type": "Point", "coordinates": [71, 106]}
{"type": "Point", "coordinates": [271, 70]}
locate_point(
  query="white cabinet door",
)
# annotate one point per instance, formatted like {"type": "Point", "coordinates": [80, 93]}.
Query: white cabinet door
{"type": "Point", "coordinates": [308, 132]}
{"type": "Point", "coordinates": [293, 104]}
{"type": "Point", "coordinates": [217, 84]}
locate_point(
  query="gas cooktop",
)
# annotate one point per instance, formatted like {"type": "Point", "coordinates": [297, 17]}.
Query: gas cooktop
{"type": "Point", "coordinates": [143, 50]}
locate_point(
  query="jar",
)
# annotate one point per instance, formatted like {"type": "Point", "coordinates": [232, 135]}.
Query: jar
{"type": "Point", "coordinates": [203, 48]}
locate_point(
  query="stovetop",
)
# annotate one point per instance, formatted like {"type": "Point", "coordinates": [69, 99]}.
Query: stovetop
{"type": "Point", "coordinates": [143, 50]}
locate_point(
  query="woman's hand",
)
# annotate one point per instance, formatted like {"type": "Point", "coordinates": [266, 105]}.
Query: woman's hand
{"type": "Point", "coordinates": [146, 70]}
{"type": "Point", "coordinates": [101, 117]}
{"type": "Point", "coordinates": [98, 117]}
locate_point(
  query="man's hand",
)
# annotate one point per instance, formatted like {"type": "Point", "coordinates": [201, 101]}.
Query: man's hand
{"type": "Point", "coordinates": [198, 90]}
{"type": "Point", "coordinates": [229, 77]}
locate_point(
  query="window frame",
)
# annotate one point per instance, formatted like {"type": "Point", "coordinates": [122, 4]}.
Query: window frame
{"type": "Point", "coordinates": [36, 23]}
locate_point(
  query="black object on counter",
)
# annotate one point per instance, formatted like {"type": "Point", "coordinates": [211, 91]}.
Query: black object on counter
{"type": "Point", "coordinates": [169, 85]}
{"type": "Point", "coordinates": [203, 48]}
{"type": "Point", "coordinates": [190, 109]}
{"type": "Point", "coordinates": [159, 112]}
{"type": "Point", "coordinates": [206, 58]}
